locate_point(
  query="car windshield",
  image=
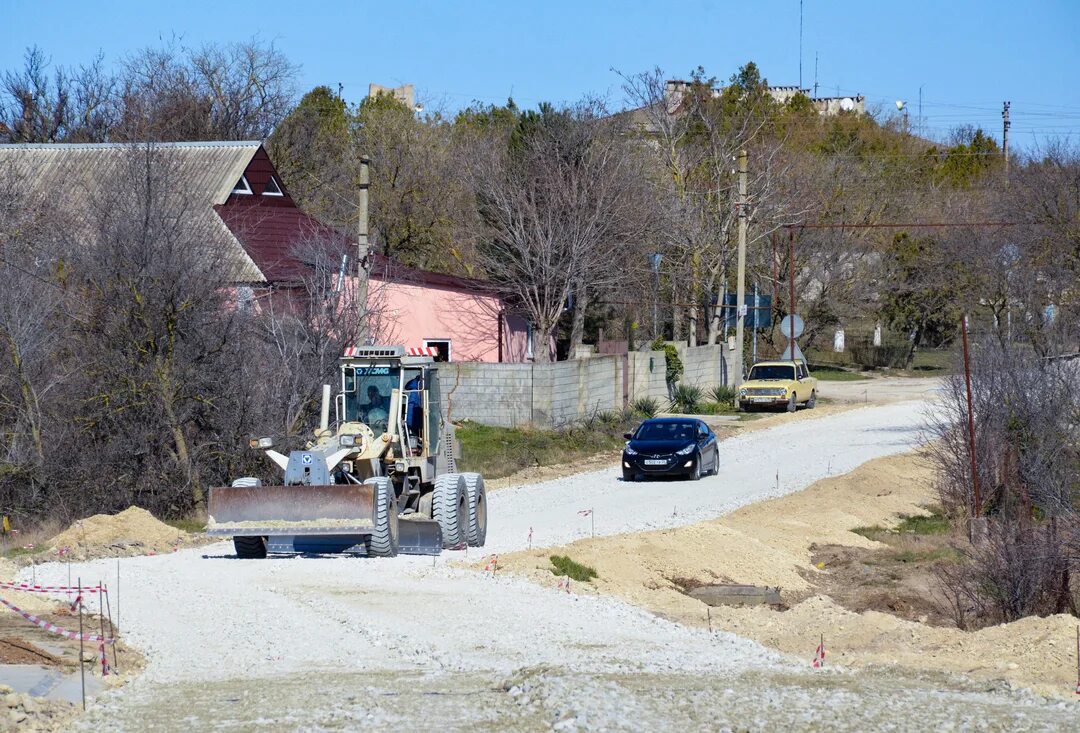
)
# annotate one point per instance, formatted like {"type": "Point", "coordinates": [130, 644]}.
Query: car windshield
{"type": "Point", "coordinates": [367, 395]}
{"type": "Point", "coordinates": [665, 431]}
{"type": "Point", "coordinates": [773, 371]}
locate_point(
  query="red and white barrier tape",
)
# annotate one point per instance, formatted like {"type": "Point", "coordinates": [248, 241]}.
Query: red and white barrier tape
{"type": "Point", "coordinates": [53, 628]}
{"type": "Point", "coordinates": [31, 588]}
{"type": "Point", "coordinates": [104, 660]}
{"type": "Point", "coordinates": [819, 656]}
{"type": "Point", "coordinates": [564, 583]}
{"type": "Point", "coordinates": [585, 512]}
{"type": "Point", "coordinates": [492, 564]}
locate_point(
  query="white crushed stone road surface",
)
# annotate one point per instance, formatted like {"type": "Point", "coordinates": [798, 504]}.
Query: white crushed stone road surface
{"type": "Point", "coordinates": [412, 644]}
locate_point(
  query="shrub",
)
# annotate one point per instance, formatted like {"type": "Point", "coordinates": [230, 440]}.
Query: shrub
{"type": "Point", "coordinates": [686, 398]}
{"type": "Point", "coordinates": [573, 570]}
{"type": "Point", "coordinates": [645, 407]}
{"type": "Point", "coordinates": [671, 357]}
{"type": "Point", "coordinates": [722, 393]}
{"type": "Point", "coordinates": [609, 418]}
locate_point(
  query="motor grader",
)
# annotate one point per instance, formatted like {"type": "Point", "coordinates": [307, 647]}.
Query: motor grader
{"type": "Point", "coordinates": [381, 480]}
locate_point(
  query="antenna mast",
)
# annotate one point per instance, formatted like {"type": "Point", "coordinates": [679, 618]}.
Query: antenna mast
{"type": "Point", "coordinates": [800, 44]}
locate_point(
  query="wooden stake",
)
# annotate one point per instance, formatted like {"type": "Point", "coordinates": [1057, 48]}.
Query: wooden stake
{"type": "Point", "coordinates": [112, 630]}
{"type": "Point", "coordinates": [101, 618]}
{"type": "Point", "coordinates": [82, 664]}
{"type": "Point", "coordinates": [708, 614]}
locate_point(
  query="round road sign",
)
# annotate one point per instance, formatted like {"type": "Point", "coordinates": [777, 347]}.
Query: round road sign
{"type": "Point", "coordinates": [785, 326]}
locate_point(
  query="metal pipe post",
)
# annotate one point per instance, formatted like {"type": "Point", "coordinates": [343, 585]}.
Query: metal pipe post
{"type": "Point", "coordinates": [791, 289]}
{"type": "Point", "coordinates": [82, 663]}
{"type": "Point", "coordinates": [971, 422]}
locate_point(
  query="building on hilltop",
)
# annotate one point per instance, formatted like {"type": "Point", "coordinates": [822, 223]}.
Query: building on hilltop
{"type": "Point", "coordinates": [674, 89]}
{"type": "Point", "coordinates": [645, 118]}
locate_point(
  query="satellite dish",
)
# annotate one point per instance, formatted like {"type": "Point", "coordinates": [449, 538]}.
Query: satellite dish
{"type": "Point", "coordinates": [785, 326]}
{"type": "Point", "coordinates": [847, 104]}
{"type": "Point", "coordinates": [900, 104]}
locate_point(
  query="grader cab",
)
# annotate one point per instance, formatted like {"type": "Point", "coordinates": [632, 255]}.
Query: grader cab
{"type": "Point", "coordinates": [381, 479]}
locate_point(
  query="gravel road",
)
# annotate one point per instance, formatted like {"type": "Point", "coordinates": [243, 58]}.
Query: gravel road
{"type": "Point", "coordinates": [338, 643]}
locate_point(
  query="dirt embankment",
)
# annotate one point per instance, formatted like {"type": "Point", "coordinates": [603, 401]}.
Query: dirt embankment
{"type": "Point", "coordinates": [776, 543]}
{"type": "Point", "coordinates": [133, 531]}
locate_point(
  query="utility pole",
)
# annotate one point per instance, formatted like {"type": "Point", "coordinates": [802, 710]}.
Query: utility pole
{"type": "Point", "coordinates": [740, 287]}
{"type": "Point", "coordinates": [1005, 138]}
{"type": "Point", "coordinates": [363, 263]}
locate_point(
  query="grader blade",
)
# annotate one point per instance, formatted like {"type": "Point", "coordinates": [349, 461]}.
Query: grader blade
{"type": "Point", "coordinates": [341, 509]}
{"type": "Point", "coordinates": [419, 537]}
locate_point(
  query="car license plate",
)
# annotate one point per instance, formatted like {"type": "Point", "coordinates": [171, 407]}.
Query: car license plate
{"type": "Point", "coordinates": [655, 462]}
{"type": "Point", "coordinates": [763, 399]}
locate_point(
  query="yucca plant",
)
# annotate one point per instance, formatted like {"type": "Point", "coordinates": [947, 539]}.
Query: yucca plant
{"type": "Point", "coordinates": [685, 398]}
{"type": "Point", "coordinates": [645, 407]}
{"type": "Point", "coordinates": [723, 394]}
{"type": "Point", "coordinates": [609, 418]}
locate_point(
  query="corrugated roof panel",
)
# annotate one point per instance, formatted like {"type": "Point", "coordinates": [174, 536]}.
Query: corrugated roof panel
{"type": "Point", "coordinates": [71, 176]}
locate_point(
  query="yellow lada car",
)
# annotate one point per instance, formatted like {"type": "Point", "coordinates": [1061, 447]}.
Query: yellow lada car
{"type": "Point", "coordinates": [778, 384]}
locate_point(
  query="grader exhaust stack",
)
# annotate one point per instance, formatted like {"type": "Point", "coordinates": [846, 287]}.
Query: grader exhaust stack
{"type": "Point", "coordinates": [380, 482]}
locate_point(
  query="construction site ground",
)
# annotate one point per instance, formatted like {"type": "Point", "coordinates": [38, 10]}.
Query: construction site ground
{"type": "Point", "coordinates": [874, 603]}
{"type": "Point", "coordinates": [418, 643]}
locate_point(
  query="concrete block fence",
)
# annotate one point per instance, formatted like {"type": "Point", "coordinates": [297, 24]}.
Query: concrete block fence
{"type": "Point", "coordinates": [554, 395]}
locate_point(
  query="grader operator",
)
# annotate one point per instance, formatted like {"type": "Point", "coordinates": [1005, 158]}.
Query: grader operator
{"type": "Point", "coordinates": [380, 481]}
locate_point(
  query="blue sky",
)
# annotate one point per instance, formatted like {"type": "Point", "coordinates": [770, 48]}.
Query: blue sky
{"type": "Point", "coordinates": [967, 56]}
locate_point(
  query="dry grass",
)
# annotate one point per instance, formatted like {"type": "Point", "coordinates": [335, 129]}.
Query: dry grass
{"type": "Point", "coordinates": [30, 541]}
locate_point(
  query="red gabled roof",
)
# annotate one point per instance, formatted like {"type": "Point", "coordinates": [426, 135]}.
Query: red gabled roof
{"type": "Point", "coordinates": [276, 238]}
{"type": "Point", "coordinates": [388, 269]}
{"type": "Point", "coordinates": [279, 237]}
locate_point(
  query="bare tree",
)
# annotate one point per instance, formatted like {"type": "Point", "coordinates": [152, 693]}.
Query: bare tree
{"type": "Point", "coordinates": [559, 211]}
{"type": "Point", "coordinates": [694, 132]}
{"type": "Point", "coordinates": [239, 91]}
{"type": "Point", "coordinates": [73, 105]}
{"type": "Point", "coordinates": [1026, 410]}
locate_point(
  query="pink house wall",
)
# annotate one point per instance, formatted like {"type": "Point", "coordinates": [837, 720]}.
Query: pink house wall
{"type": "Point", "coordinates": [412, 313]}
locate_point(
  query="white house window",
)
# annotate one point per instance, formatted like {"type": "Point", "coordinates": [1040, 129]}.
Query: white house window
{"type": "Point", "coordinates": [272, 188]}
{"type": "Point", "coordinates": [242, 186]}
{"type": "Point", "coordinates": [443, 345]}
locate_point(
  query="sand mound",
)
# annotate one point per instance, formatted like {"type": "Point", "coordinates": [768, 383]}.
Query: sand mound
{"type": "Point", "coordinates": [133, 531]}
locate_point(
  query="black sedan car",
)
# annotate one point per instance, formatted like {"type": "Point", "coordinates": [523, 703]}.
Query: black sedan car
{"type": "Point", "coordinates": [670, 446]}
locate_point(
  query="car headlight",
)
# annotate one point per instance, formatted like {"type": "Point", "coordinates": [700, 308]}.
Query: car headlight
{"type": "Point", "coordinates": [629, 451]}
{"type": "Point", "coordinates": [742, 392]}
{"type": "Point", "coordinates": [685, 451]}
